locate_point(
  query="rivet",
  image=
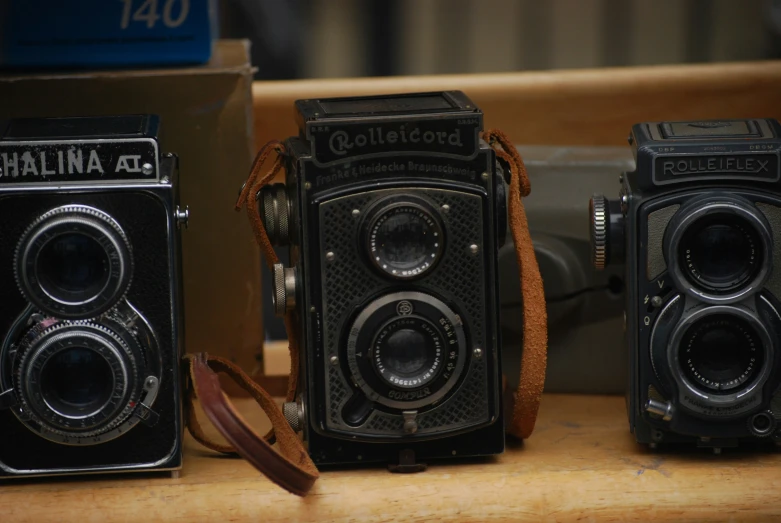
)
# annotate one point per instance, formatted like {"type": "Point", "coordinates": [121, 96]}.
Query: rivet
{"type": "Point", "coordinates": [356, 213]}
{"type": "Point", "coordinates": [307, 185]}
{"type": "Point", "coordinates": [334, 360]}
{"type": "Point", "coordinates": [312, 309]}
{"type": "Point", "coordinates": [330, 256]}
{"type": "Point", "coordinates": [478, 352]}
{"type": "Point", "coordinates": [474, 249]}
{"type": "Point", "coordinates": [484, 176]}
{"type": "Point", "coordinates": [445, 208]}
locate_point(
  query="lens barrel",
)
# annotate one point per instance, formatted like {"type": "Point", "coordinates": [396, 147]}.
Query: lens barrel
{"type": "Point", "coordinates": [719, 249]}
{"type": "Point", "coordinates": [719, 355]}
{"type": "Point", "coordinates": [406, 350]}
{"type": "Point", "coordinates": [404, 239]}
{"type": "Point", "coordinates": [73, 262]}
{"type": "Point", "coordinates": [78, 380]}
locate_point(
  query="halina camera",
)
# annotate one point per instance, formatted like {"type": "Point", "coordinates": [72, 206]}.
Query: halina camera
{"type": "Point", "coordinates": [91, 313]}
{"type": "Point", "coordinates": [394, 210]}
{"type": "Point", "coordinates": [698, 225]}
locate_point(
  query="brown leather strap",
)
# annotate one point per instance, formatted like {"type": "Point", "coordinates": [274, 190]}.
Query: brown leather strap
{"type": "Point", "coordinates": [535, 318]}
{"type": "Point", "coordinates": [252, 186]}
{"type": "Point", "coordinates": [291, 468]}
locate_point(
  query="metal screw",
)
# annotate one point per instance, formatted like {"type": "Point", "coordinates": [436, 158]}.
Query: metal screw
{"type": "Point", "coordinates": [146, 168]}
{"type": "Point", "coordinates": [453, 452]}
{"type": "Point", "coordinates": [164, 179]}
{"type": "Point", "coordinates": [356, 213]}
{"type": "Point", "coordinates": [624, 200]}
{"type": "Point", "coordinates": [182, 217]}
{"type": "Point", "coordinates": [474, 249]}
{"type": "Point", "coordinates": [307, 185]}
{"type": "Point", "coordinates": [445, 208]}
{"type": "Point", "coordinates": [478, 352]}
{"type": "Point", "coordinates": [333, 360]}
{"type": "Point", "coordinates": [330, 256]}
{"type": "Point", "coordinates": [484, 176]}
{"type": "Point", "coordinates": [656, 301]}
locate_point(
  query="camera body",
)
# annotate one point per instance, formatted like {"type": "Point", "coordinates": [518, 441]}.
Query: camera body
{"type": "Point", "coordinates": [394, 210]}
{"type": "Point", "coordinates": [699, 225]}
{"type": "Point", "coordinates": [91, 315]}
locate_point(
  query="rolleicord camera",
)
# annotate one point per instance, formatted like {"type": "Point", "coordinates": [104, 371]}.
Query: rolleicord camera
{"type": "Point", "coordinates": [394, 210]}
{"type": "Point", "coordinates": [90, 316]}
{"type": "Point", "coordinates": [698, 224]}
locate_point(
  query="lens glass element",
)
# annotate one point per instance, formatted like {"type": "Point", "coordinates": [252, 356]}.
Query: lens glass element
{"type": "Point", "coordinates": [721, 252]}
{"type": "Point", "coordinates": [76, 382]}
{"type": "Point", "coordinates": [405, 240]}
{"type": "Point", "coordinates": [72, 267]}
{"type": "Point", "coordinates": [407, 352]}
{"type": "Point", "coordinates": [721, 353]}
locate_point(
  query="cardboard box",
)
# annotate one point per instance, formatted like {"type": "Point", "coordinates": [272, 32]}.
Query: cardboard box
{"type": "Point", "coordinates": [206, 118]}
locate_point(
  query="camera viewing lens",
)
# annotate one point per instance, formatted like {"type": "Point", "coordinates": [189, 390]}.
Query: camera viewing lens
{"type": "Point", "coordinates": [404, 240]}
{"type": "Point", "coordinates": [73, 262]}
{"type": "Point", "coordinates": [72, 265]}
{"type": "Point", "coordinates": [76, 381]}
{"type": "Point", "coordinates": [721, 252]}
{"type": "Point", "coordinates": [721, 353]}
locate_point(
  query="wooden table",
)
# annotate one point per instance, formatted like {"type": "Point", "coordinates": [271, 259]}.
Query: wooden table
{"type": "Point", "coordinates": [580, 465]}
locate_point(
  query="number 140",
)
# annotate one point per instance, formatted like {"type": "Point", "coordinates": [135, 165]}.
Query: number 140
{"type": "Point", "coordinates": [148, 11]}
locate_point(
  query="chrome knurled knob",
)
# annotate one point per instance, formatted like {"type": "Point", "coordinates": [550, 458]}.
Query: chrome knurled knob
{"type": "Point", "coordinates": [275, 213]}
{"type": "Point", "coordinates": [292, 413]}
{"type": "Point", "coordinates": [284, 297]}
{"type": "Point", "coordinates": [598, 213]}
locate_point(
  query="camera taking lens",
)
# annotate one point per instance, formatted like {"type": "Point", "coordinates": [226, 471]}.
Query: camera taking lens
{"type": "Point", "coordinates": [721, 353]}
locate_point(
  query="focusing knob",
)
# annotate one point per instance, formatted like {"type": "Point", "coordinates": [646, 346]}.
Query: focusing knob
{"type": "Point", "coordinates": [607, 231]}
{"type": "Point", "coordinates": [275, 213]}
{"type": "Point", "coordinates": [293, 414]}
{"type": "Point", "coordinates": [598, 210]}
{"type": "Point", "coordinates": [284, 296]}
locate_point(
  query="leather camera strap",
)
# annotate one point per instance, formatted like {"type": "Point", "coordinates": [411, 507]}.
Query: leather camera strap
{"type": "Point", "coordinates": [534, 356]}
{"type": "Point", "coordinates": [292, 468]}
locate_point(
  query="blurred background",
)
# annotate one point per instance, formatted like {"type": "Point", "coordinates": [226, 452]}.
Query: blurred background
{"type": "Point", "coordinates": [347, 38]}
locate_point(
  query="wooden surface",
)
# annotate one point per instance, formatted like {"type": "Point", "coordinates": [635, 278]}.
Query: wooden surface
{"type": "Point", "coordinates": [581, 464]}
{"type": "Point", "coordinates": [563, 107]}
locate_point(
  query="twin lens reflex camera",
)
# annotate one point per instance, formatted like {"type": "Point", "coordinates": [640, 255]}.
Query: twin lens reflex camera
{"type": "Point", "coordinates": [90, 315]}
{"type": "Point", "coordinates": [394, 210]}
{"type": "Point", "coordinates": [698, 225]}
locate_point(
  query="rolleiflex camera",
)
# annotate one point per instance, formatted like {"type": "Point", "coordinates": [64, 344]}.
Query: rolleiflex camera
{"type": "Point", "coordinates": [394, 210]}
{"type": "Point", "coordinates": [698, 225]}
{"type": "Point", "coordinates": [91, 313]}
